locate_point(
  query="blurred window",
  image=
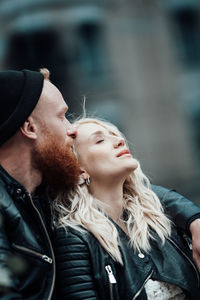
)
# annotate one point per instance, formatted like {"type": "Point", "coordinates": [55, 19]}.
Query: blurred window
{"type": "Point", "coordinates": [91, 58]}
{"type": "Point", "coordinates": [187, 29]}
{"type": "Point", "coordinates": [36, 49]}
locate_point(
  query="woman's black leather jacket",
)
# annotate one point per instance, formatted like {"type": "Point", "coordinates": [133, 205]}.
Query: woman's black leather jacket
{"type": "Point", "coordinates": [86, 271]}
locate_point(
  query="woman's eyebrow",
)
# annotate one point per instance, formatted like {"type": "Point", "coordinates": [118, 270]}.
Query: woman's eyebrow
{"type": "Point", "coordinates": [112, 133]}
{"type": "Point", "coordinates": [98, 132]}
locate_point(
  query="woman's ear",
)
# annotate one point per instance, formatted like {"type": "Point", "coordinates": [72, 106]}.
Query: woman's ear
{"type": "Point", "coordinates": [83, 176]}
{"type": "Point", "coordinates": [29, 129]}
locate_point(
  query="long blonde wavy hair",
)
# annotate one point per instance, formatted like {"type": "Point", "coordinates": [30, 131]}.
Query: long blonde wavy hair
{"type": "Point", "coordinates": [78, 209]}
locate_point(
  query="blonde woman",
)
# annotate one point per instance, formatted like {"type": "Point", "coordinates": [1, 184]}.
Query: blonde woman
{"type": "Point", "coordinates": [114, 239]}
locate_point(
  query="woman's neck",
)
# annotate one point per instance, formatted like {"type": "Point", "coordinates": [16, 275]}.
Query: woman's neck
{"type": "Point", "coordinates": [112, 196]}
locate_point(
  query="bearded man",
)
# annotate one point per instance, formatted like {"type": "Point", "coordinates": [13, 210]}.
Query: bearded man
{"type": "Point", "coordinates": [35, 147]}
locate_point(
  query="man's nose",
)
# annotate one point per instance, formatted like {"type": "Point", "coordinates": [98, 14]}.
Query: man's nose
{"type": "Point", "coordinates": [72, 132]}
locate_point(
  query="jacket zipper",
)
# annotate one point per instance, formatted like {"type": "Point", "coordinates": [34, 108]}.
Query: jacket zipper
{"type": "Point", "coordinates": [30, 251]}
{"type": "Point", "coordinates": [139, 291]}
{"type": "Point", "coordinates": [50, 245]}
{"type": "Point", "coordinates": [191, 262]}
{"type": "Point", "coordinates": [188, 241]}
{"type": "Point", "coordinates": [111, 278]}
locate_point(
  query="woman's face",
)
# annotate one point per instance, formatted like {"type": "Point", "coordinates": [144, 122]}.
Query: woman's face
{"type": "Point", "coordinates": [103, 154]}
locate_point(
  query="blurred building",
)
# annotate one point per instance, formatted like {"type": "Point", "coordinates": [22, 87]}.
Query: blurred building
{"type": "Point", "coordinates": [137, 62]}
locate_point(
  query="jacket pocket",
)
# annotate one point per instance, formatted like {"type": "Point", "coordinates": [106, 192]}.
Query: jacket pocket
{"type": "Point", "coordinates": [111, 279]}
{"type": "Point", "coordinates": [31, 252]}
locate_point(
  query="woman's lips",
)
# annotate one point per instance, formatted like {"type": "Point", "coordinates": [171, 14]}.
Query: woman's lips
{"type": "Point", "coordinates": [126, 151]}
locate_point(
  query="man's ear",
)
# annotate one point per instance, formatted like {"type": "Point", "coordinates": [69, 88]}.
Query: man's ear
{"type": "Point", "coordinates": [29, 128]}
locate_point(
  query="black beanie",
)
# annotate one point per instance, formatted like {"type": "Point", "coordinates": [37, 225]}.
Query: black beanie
{"type": "Point", "coordinates": [19, 94]}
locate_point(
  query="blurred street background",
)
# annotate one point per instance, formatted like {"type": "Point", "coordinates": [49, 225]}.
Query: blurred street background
{"type": "Point", "coordinates": [136, 61]}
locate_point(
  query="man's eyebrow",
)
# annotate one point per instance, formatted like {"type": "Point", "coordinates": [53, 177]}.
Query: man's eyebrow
{"type": "Point", "coordinates": [64, 110]}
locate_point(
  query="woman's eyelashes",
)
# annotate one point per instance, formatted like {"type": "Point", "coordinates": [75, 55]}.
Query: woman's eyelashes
{"type": "Point", "coordinates": [99, 141]}
{"type": "Point", "coordinates": [102, 139]}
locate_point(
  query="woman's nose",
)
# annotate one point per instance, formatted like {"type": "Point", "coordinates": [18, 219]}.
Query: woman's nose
{"type": "Point", "coordinates": [119, 142]}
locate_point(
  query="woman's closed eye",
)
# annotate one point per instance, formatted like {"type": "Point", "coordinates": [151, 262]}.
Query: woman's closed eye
{"type": "Point", "coordinates": [99, 141]}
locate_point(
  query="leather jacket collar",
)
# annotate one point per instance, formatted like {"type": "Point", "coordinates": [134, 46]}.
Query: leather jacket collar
{"type": "Point", "coordinates": [14, 188]}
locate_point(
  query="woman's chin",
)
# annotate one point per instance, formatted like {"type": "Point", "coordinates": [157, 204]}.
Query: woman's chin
{"type": "Point", "coordinates": [131, 167]}
{"type": "Point", "coordinates": [133, 164]}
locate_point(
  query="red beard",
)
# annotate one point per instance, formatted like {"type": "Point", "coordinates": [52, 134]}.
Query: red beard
{"type": "Point", "coordinates": [57, 163]}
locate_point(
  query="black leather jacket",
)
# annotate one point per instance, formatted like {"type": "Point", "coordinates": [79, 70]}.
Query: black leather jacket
{"type": "Point", "coordinates": [24, 239]}
{"type": "Point", "coordinates": [86, 271]}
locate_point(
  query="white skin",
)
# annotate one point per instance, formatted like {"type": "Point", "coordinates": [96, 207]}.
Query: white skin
{"type": "Point", "coordinates": [16, 153]}
{"type": "Point", "coordinates": [195, 231]}
{"type": "Point", "coordinates": [97, 150]}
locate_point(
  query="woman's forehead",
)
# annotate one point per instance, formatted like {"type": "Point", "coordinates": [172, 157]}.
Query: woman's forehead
{"type": "Point", "coordinates": [89, 128]}
{"type": "Point", "coordinates": [86, 130]}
